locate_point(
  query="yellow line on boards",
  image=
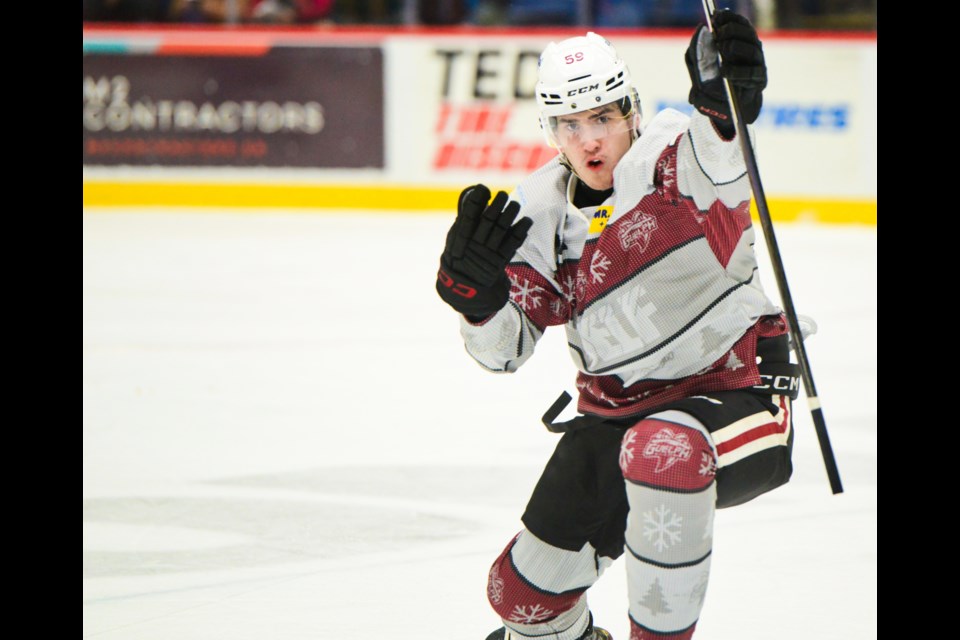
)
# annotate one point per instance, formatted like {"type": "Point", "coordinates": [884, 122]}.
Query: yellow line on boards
{"type": "Point", "coordinates": [133, 194]}
{"type": "Point", "coordinates": [390, 197]}
{"type": "Point", "coordinates": [828, 211]}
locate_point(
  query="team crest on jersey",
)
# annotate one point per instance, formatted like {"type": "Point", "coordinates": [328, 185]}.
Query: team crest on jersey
{"type": "Point", "coordinates": [637, 231]}
{"type": "Point", "coordinates": [600, 219]}
{"type": "Point", "coordinates": [668, 447]}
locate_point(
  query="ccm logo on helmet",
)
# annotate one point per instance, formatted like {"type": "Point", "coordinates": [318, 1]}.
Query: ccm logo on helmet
{"type": "Point", "coordinates": [587, 89]}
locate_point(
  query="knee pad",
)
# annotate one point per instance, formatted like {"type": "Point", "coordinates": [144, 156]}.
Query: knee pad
{"type": "Point", "coordinates": [671, 451]}
{"type": "Point", "coordinates": [515, 596]}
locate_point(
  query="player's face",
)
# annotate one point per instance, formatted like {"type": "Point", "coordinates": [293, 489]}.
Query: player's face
{"type": "Point", "coordinates": [594, 141]}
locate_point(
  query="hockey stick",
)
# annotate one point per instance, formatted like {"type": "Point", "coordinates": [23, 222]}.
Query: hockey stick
{"type": "Point", "coordinates": [813, 400]}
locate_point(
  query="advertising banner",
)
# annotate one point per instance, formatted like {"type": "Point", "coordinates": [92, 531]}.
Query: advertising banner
{"type": "Point", "coordinates": [476, 117]}
{"type": "Point", "coordinates": [317, 107]}
{"type": "Point", "coordinates": [406, 119]}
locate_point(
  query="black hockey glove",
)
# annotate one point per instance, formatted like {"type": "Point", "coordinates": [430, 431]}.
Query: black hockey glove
{"type": "Point", "coordinates": [480, 243]}
{"type": "Point", "coordinates": [741, 63]}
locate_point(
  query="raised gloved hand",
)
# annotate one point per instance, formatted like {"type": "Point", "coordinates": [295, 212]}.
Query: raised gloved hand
{"type": "Point", "coordinates": [480, 243]}
{"type": "Point", "coordinates": [741, 63]}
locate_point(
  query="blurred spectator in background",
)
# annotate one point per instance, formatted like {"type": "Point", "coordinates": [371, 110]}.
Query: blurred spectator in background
{"type": "Point", "coordinates": [602, 13]}
{"type": "Point", "coordinates": [650, 13]}
{"type": "Point", "coordinates": [533, 13]}
{"type": "Point", "coordinates": [826, 14]}
{"type": "Point", "coordinates": [443, 12]}
{"type": "Point", "coordinates": [620, 13]}
{"type": "Point", "coordinates": [766, 14]}
{"type": "Point", "coordinates": [289, 11]}
{"type": "Point", "coordinates": [372, 12]}
{"type": "Point", "coordinates": [208, 11]}
{"type": "Point", "coordinates": [126, 10]}
{"type": "Point", "coordinates": [488, 12]}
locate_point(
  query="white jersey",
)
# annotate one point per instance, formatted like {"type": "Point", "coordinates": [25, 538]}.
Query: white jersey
{"type": "Point", "coordinates": [657, 287]}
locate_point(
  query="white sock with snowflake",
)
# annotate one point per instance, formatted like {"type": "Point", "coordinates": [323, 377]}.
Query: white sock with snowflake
{"type": "Point", "coordinates": [669, 464]}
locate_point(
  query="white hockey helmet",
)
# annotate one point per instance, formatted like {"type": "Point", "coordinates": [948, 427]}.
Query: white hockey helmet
{"type": "Point", "coordinates": [582, 73]}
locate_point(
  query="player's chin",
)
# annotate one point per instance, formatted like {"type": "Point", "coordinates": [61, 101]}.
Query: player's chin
{"type": "Point", "coordinates": [597, 180]}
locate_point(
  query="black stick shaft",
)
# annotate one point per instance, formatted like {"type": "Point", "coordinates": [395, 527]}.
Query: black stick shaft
{"type": "Point", "coordinates": [753, 172]}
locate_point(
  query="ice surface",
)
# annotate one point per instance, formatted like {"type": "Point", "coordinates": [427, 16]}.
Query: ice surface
{"type": "Point", "coordinates": [284, 438]}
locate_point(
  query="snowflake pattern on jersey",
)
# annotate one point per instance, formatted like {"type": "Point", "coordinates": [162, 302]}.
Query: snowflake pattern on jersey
{"type": "Point", "coordinates": [568, 288]}
{"type": "Point", "coordinates": [525, 294]}
{"type": "Point", "coordinates": [599, 264]}
{"type": "Point", "coordinates": [662, 527]}
{"type": "Point", "coordinates": [530, 615]}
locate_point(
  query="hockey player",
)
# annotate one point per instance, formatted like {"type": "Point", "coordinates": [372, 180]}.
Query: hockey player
{"type": "Point", "coordinates": [637, 239]}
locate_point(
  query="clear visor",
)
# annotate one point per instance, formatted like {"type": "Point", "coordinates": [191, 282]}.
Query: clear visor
{"type": "Point", "coordinates": [586, 126]}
